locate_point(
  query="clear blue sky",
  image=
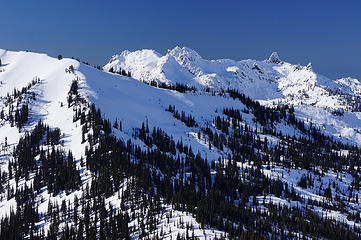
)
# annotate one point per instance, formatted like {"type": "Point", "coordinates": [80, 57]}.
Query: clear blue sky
{"type": "Point", "coordinates": [326, 33]}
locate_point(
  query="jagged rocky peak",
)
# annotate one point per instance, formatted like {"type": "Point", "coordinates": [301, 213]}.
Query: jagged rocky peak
{"type": "Point", "coordinates": [124, 53]}
{"type": "Point", "coordinates": [274, 58]}
{"type": "Point", "coordinates": [184, 54]}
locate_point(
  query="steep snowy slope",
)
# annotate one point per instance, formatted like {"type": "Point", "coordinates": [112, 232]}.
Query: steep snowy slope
{"type": "Point", "coordinates": [201, 120]}
{"type": "Point", "coordinates": [20, 68]}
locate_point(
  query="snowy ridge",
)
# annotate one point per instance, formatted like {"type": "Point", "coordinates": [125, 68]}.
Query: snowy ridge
{"type": "Point", "coordinates": [269, 80]}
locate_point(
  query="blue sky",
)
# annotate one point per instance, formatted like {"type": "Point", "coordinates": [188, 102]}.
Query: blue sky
{"type": "Point", "coordinates": [326, 33]}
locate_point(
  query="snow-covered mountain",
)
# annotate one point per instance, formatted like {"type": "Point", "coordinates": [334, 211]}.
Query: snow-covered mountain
{"type": "Point", "coordinates": [269, 80]}
{"type": "Point", "coordinates": [292, 135]}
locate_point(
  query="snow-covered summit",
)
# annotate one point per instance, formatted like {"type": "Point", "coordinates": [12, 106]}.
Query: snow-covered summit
{"type": "Point", "coordinates": [184, 55]}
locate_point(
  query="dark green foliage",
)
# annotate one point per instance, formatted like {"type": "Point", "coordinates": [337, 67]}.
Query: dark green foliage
{"type": "Point", "coordinates": [188, 120]}
{"type": "Point", "coordinates": [21, 116]}
{"type": "Point", "coordinates": [178, 87]}
{"type": "Point", "coordinates": [121, 72]}
{"type": "Point", "coordinates": [74, 88]}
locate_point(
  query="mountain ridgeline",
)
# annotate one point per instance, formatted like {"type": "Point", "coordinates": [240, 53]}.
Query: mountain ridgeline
{"type": "Point", "coordinates": [177, 147]}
